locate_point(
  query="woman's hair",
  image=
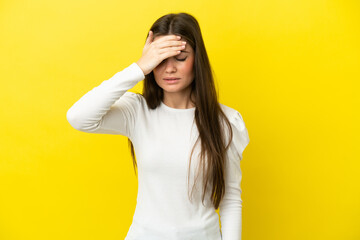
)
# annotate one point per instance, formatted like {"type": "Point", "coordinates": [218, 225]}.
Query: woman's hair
{"type": "Point", "coordinates": [208, 113]}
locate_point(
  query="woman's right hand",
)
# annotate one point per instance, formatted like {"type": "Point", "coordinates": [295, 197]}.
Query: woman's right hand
{"type": "Point", "coordinates": [155, 52]}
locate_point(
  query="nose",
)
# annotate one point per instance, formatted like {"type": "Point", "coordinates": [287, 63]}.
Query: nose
{"type": "Point", "coordinates": [170, 65]}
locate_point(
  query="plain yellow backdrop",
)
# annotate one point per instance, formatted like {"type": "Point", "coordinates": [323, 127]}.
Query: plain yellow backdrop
{"type": "Point", "coordinates": [291, 68]}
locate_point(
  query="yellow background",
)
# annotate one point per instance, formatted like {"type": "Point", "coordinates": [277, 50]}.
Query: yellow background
{"type": "Point", "coordinates": [291, 68]}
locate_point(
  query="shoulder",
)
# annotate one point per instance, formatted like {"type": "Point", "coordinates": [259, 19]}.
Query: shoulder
{"type": "Point", "coordinates": [132, 98]}
{"type": "Point", "coordinates": [130, 101]}
{"type": "Point", "coordinates": [234, 116]}
{"type": "Point", "coordinates": [240, 133]}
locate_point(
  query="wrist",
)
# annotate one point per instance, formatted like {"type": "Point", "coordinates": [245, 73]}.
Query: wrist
{"type": "Point", "coordinates": [141, 67]}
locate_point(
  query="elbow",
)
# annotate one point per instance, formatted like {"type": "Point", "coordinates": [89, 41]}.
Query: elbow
{"type": "Point", "coordinates": [231, 205]}
{"type": "Point", "coordinates": [73, 119]}
{"type": "Point", "coordinates": [80, 122]}
{"type": "Point", "coordinates": [232, 200]}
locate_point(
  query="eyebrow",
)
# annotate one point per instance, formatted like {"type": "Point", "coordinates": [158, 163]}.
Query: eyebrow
{"type": "Point", "coordinates": [184, 51]}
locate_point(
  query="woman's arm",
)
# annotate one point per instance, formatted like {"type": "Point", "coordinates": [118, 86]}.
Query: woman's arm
{"type": "Point", "coordinates": [109, 108]}
{"type": "Point", "coordinates": [231, 205]}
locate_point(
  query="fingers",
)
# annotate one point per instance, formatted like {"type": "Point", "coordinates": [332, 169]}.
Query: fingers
{"type": "Point", "coordinates": [165, 38]}
{"type": "Point", "coordinates": [169, 54]}
{"type": "Point", "coordinates": [172, 48]}
{"type": "Point", "coordinates": [171, 44]}
{"type": "Point", "coordinates": [171, 51]}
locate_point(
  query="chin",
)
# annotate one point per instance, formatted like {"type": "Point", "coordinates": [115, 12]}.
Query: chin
{"type": "Point", "coordinates": [172, 90]}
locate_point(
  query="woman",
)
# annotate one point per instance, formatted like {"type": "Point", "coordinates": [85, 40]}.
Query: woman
{"type": "Point", "coordinates": [177, 117]}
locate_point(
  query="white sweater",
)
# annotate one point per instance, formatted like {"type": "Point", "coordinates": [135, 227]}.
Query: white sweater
{"type": "Point", "coordinates": [163, 139]}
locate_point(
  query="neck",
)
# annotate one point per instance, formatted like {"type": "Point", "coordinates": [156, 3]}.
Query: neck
{"type": "Point", "coordinates": [180, 100]}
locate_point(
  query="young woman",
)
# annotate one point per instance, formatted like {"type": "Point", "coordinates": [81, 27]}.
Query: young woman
{"type": "Point", "coordinates": [181, 134]}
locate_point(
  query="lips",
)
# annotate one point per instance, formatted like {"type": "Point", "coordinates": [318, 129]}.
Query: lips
{"type": "Point", "coordinates": [171, 78]}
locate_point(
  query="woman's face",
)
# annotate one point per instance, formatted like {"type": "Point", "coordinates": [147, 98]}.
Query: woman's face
{"type": "Point", "coordinates": [179, 66]}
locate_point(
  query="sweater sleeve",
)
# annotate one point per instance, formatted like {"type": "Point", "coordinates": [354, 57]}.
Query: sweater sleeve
{"type": "Point", "coordinates": [109, 108]}
{"type": "Point", "coordinates": [231, 205]}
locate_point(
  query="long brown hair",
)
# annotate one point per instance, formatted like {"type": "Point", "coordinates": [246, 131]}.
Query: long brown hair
{"type": "Point", "coordinates": [208, 112]}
